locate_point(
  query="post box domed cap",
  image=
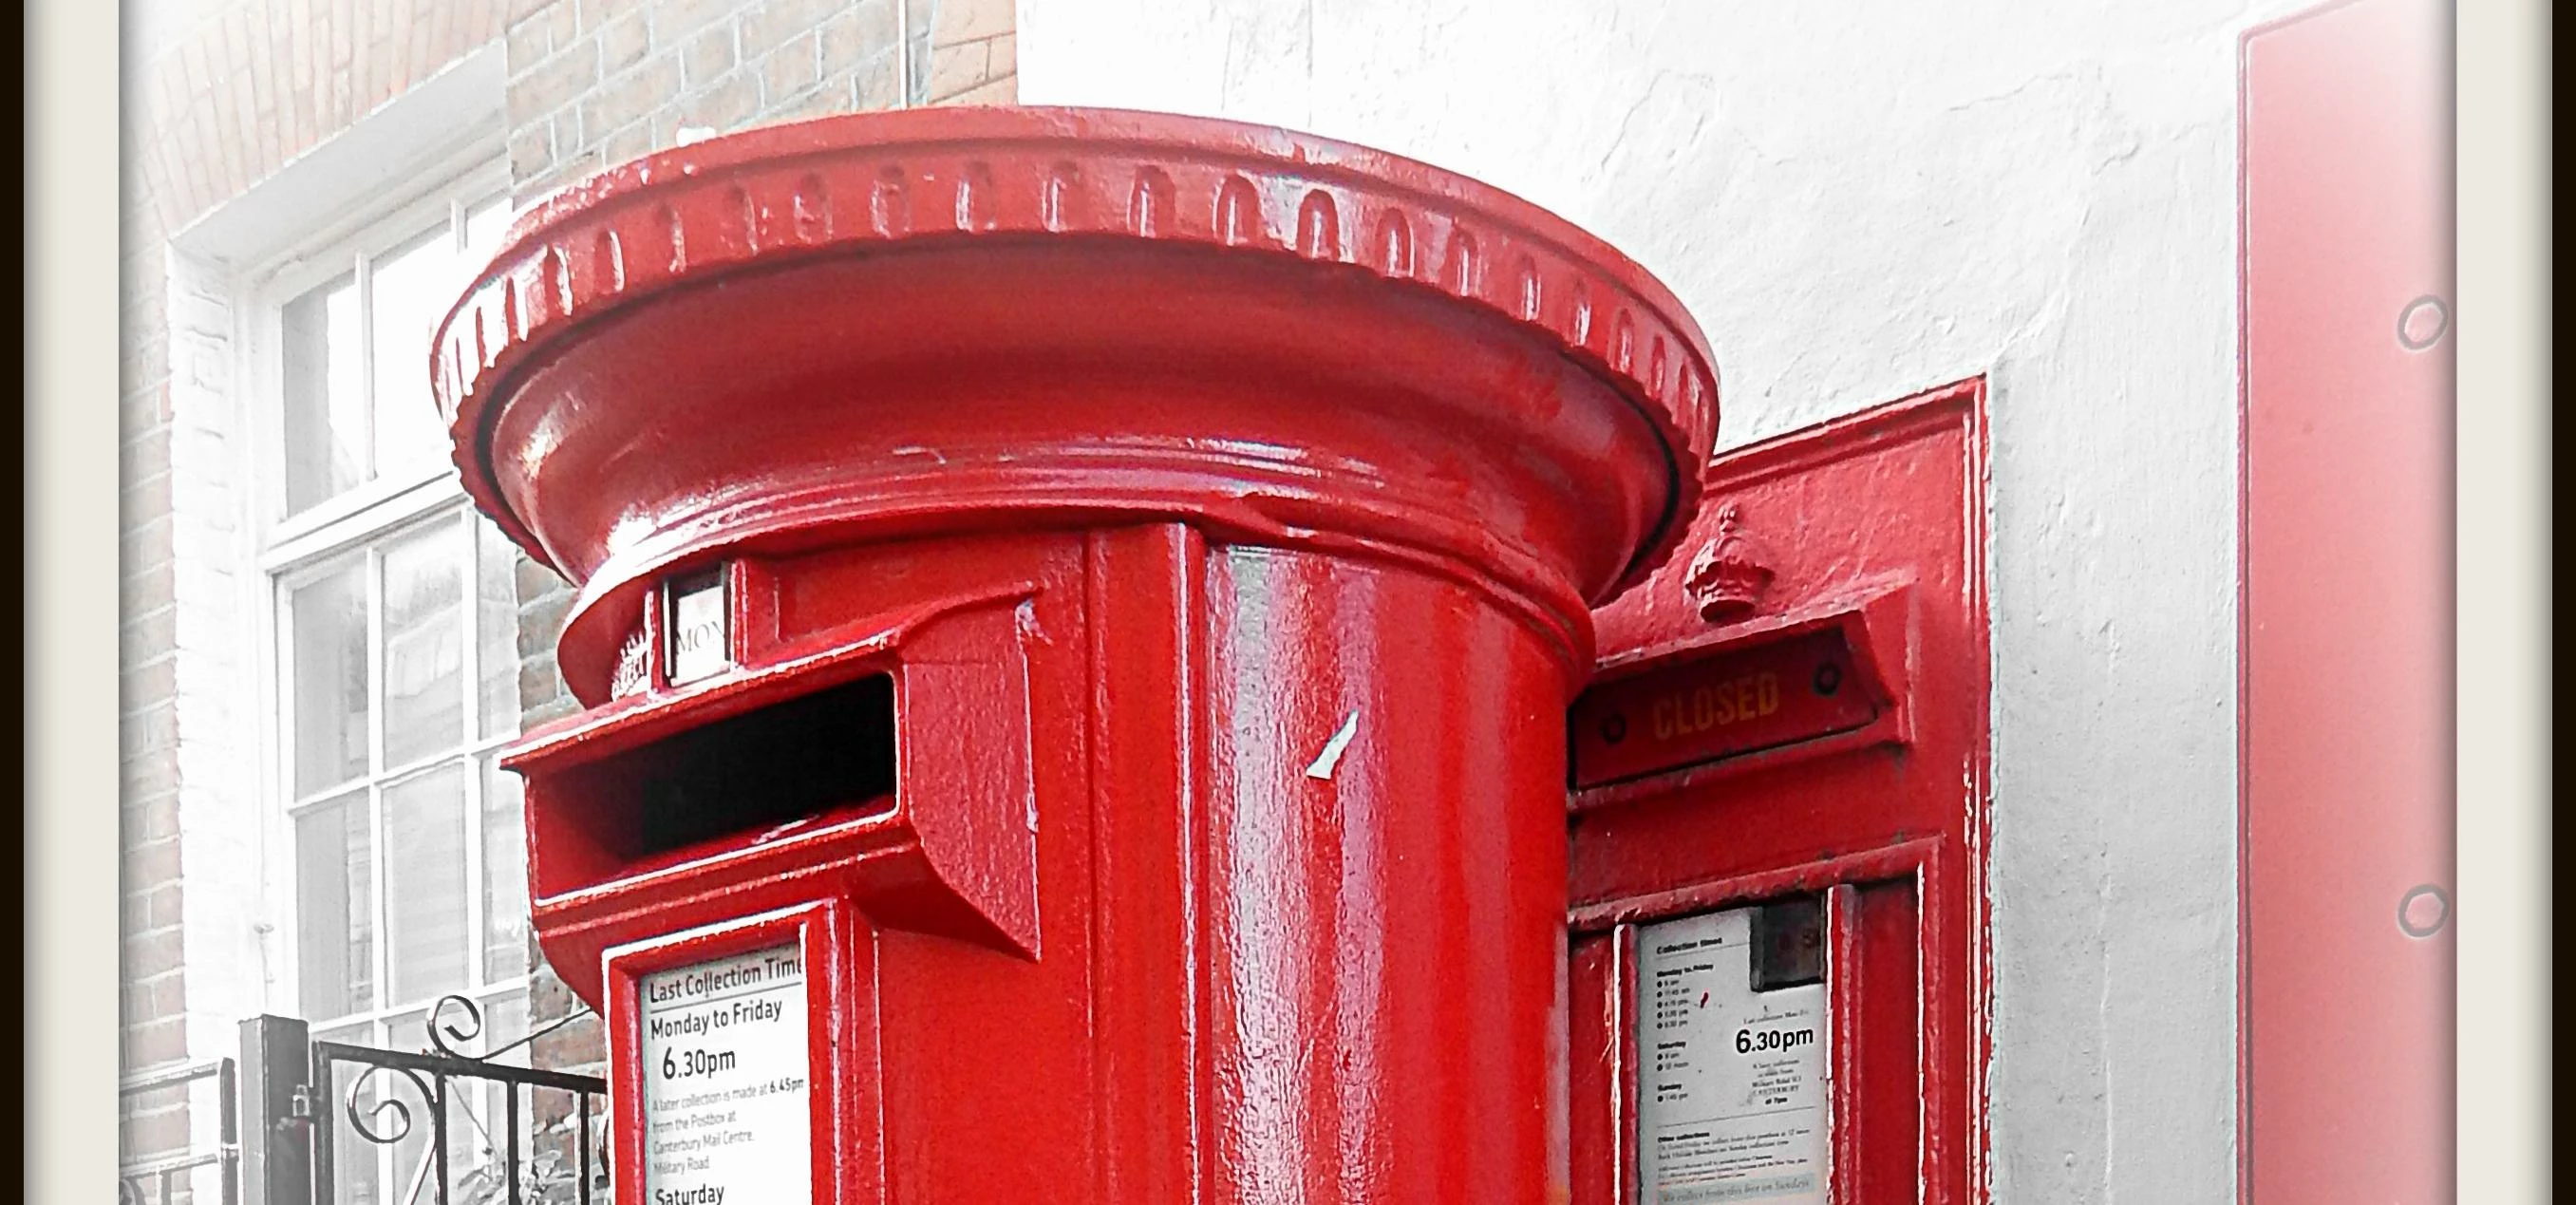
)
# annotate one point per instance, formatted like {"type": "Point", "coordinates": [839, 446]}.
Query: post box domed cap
{"type": "Point", "coordinates": [1282, 235]}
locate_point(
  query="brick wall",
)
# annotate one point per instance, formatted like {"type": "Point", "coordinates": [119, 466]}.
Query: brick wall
{"type": "Point", "coordinates": [598, 82]}
{"type": "Point", "coordinates": [217, 97]}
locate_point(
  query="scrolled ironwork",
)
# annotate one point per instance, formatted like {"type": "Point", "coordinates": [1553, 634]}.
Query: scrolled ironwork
{"type": "Point", "coordinates": [472, 1030]}
{"type": "Point", "coordinates": [358, 1120]}
{"type": "Point", "coordinates": [473, 1020]}
{"type": "Point", "coordinates": [473, 1157]}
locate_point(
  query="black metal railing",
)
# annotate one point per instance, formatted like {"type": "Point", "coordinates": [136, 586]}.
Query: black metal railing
{"type": "Point", "coordinates": [463, 1127]}
{"type": "Point", "coordinates": [519, 1158]}
{"type": "Point", "coordinates": [169, 1176]}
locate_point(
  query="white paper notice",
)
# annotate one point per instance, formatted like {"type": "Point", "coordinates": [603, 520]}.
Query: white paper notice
{"type": "Point", "coordinates": [727, 1083]}
{"type": "Point", "coordinates": [699, 642]}
{"type": "Point", "coordinates": [1731, 1088]}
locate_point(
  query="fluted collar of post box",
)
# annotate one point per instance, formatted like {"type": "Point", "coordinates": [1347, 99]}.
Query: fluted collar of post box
{"type": "Point", "coordinates": [723, 209]}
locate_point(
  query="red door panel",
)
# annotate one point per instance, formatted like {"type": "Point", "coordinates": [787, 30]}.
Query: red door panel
{"type": "Point", "coordinates": [1797, 706]}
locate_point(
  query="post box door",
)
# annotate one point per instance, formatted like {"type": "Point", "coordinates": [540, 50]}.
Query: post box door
{"type": "Point", "coordinates": [1776, 953]}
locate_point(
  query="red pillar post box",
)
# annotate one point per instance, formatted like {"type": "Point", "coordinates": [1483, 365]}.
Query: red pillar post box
{"type": "Point", "coordinates": [1076, 613]}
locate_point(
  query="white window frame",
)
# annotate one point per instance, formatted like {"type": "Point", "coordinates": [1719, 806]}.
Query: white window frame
{"type": "Point", "coordinates": [292, 550]}
{"type": "Point", "coordinates": [284, 538]}
{"type": "Point", "coordinates": [238, 940]}
{"type": "Point", "coordinates": [289, 550]}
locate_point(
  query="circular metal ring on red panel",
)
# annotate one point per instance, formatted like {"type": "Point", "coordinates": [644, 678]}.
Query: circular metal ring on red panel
{"type": "Point", "coordinates": [2423, 911]}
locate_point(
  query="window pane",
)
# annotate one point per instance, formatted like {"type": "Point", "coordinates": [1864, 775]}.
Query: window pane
{"type": "Point", "coordinates": [327, 620]}
{"type": "Point", "coordinates": [353, 1158]}
{"type": "Point", "coordinates": [326, 421]}
{"type": "Point", "coordinates": [505, 1022]}
{"type": "Point", "coordinates": [425, 884]}
{"type": "Point", "coordinates": [406, 1034]}
{"type": "Point", "coordinates": [505, 876]}
{"type": "Point", "coordinates": [424, 652]}
{"type": "Point", "coordinates": [505, 1028]}
{"type": "Point", "coordinates": [410, 290]}
{"type": "Point", "coordinates": [414, 1161]}
{"type": "Point", "coordinates": [476, 1112]}
{"type": "Point", "coordinates": [497, 627]}
{"type": "Point", "coordinates": [334, 901]}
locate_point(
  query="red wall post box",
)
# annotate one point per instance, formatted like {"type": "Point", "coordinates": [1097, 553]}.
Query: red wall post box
{"type": "Point", "coordinates": [1076, 613]}
{"type": "Point", "coordinates": [1778, 778]}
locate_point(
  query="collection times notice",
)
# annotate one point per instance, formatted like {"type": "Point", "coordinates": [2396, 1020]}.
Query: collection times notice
{"type": "Point", "coordinates": [727, 1082]}
{"type": "Point", "coordinates": [1731, 1091]}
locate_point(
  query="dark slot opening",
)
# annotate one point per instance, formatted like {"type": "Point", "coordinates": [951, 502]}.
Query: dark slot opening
{"type": "Point", "coordinates": [829, 751]}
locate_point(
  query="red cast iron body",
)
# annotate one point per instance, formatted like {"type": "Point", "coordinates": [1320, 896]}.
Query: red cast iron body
{"type": "Point", "coordinates": [1220, 510]}
{"type": "Point", "coordinates": [1823, 732]}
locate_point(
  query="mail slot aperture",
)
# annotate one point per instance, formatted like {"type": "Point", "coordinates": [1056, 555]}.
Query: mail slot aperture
{"type": "Point", "coordinates": [817, 758]}
{"type": "Point", "coordinates": [795, 761]}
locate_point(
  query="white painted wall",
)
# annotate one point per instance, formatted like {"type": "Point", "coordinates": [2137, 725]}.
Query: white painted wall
{"type": "Point", "coordinates": [1859, 200]}
{"type": "Point", "coordinates": [222, 914]}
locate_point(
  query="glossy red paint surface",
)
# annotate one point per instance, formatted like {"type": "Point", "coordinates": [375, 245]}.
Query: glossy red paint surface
{"type": "Point", "coordinates": [1871, 530]}
{"type": "Point", "coordinates": [2347, 682]}
{"type": "Point", "coordinates": [1047, 316]}
{"type": "Point", "coordinates": [1220, 510]}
